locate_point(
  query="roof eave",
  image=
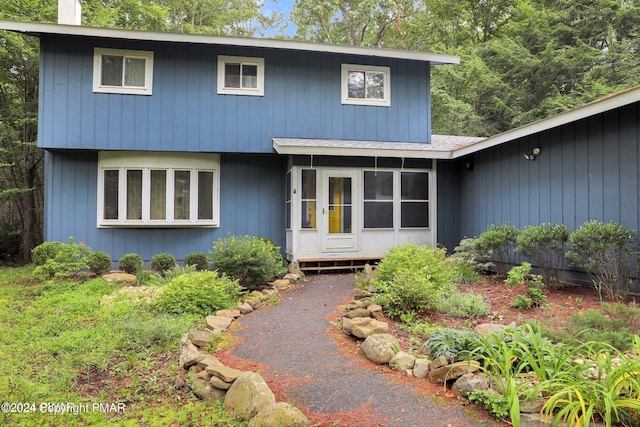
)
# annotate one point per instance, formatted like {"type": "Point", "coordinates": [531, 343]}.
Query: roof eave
{"type": "Point", "coordinates": [36, 29]}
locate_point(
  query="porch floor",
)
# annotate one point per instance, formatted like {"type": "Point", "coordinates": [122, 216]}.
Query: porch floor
{"type": "Point", "coordinates": [329, 264]}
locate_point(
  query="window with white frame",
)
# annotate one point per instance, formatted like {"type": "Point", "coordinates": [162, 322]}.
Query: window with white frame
{"type": "Point", "coordinates": [122, 71]}
{"type": "Point", "coordinates": [365, 85]}
{"type": "Point", "coordinates": [139, 189]}
{"type": "Point", "coordinates": [240, 75]}
{"type": "Point", "coordinates": [396, 199]}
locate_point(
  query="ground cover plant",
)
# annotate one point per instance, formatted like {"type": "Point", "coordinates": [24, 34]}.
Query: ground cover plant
{"type": "Point", "coordinates": [90, 342]}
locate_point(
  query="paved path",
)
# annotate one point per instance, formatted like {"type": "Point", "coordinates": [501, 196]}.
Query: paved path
{"type": "Point", "coordinates": [291, 339]}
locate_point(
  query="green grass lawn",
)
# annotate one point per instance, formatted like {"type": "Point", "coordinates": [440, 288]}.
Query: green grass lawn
{"type": "Point", "coordinates": [68, 357]}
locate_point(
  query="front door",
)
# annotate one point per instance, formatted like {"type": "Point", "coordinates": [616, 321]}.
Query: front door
{"type": "Point", "coordinates": [339, 228]}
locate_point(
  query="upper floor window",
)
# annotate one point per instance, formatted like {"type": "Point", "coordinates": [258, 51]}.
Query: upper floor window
{"type": "Point", "coordinates": [240, 75]}
{"type": "Point", "coordinates": [365, 85]}
{"type": "Point", "coordinates": [122, 71]}
{"type": "Point", "coordinates": [149, 189]}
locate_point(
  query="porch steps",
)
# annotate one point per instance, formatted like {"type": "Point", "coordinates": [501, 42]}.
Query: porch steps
{"type": "Point", "coordinates": [329, 264]}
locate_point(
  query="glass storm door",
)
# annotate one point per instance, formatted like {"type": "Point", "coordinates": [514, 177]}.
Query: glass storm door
{"type": "Point", "coordinates": [338, 214]}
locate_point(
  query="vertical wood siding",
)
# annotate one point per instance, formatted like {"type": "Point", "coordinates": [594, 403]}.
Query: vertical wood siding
{"type": "Point", "coordinates": [302, 100]}
{"type": "Point", "coordinates": [586, 170]}
{"type": "Point", "coordinates": [251, 202]}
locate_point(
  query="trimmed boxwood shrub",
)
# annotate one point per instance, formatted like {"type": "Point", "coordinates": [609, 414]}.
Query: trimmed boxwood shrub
{"type": "Point", "coordinates": [163, 262]}
{"type": "Point", "coordinates": [131, 263]}
{"type": "Point", "coordinates": [197, 259]}
{"type": "Point", "coordinates": [99, 262]}
{"type": "Point", "coordinates": [45, 251]}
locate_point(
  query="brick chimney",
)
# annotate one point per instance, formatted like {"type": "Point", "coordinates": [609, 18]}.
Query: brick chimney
{"type": "Point", "coordinates": [69, 12]}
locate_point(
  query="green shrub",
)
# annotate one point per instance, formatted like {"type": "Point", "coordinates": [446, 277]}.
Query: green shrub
{"type": "Point", "coordinates": [545, 245]}
{"type": "Point", "coordinates": [518, 275]}
{"type": "Point", "coordinates": [201, 293]}
{"type": "Point", "coordinates": [162, 263]}
{"type": "Point", "coordinates": [412, 278]}
{"type": "Point", "coordinates": [452, 343]}
{"type": "Point", "coordinates": [250, 260]}
{"type": "Point", "coordinates": [44, 252]}
{"type": "Point", "coordinates": [197, 259]}
{"type": "Point", "coordinates": [606, 252]}
{"type": "Point", "coordinates": [463, 304]}
{"type": "Point", "coordinates": [69, 258]}
{"type": "Point", "coordinates": [500, 241]}
{"type": "Point", "coordinates": [144, 331]}
{"type": "Point", "coordinates": [131, 263]}
{"type": "Point", "coordinates": [470, 259]}
{"type": "Point", "coordinates": [522, 302]}
{"type": "Point", "coordinates": [99, 262]}
{"type": "Point", "coordinates": [496, 403]}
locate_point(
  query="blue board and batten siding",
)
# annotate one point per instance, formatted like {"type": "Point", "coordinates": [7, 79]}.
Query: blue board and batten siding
{"type": "Point", "coordinates": [249, 204]}
{"type": "Point", "coordinates": [588, 169]}
{"type": "Point", "coordinates": [302, 99]}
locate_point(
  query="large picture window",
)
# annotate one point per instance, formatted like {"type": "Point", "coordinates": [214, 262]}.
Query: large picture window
{"type": "Point", "coordinates": [240, 75]}
{"type": "Point", "coordinates": [122, 71]}
{"type": "Point", "coordinates": [365, 85]}
{"type": "Point", "coordinates": [158, 189]}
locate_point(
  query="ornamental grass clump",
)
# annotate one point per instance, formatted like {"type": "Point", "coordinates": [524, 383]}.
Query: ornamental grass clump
{"type": "Point", "coordinates": [251, 260]}
{"type": "Point", "coordinates": [412, 278]}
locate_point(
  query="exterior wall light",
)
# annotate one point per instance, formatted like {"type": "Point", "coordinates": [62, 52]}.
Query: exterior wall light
{"type": "Point", "coordinates": [533, 154]}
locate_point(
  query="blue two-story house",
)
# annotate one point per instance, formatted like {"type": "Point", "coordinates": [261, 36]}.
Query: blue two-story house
{"type": "Point", "coordinates": [160, 142]}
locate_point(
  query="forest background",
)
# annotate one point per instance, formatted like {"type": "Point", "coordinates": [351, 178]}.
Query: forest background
{"type": "Point", "coordinates": [521, 61]}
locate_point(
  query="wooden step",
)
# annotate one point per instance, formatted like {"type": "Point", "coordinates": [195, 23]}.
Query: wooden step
{"type": "Point", "coordinates": [333, 264]}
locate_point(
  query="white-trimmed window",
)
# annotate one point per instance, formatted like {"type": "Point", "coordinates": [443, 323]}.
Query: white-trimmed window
{"type": "Point", "coordinates": [396, 199]}
{"type": "Point", "coordinates": [365, 85]}
{"type": "Point", "coordinates": [122, 71]}
{"type": "Point", "coordinates": [151, 189]}
{"type": "Point", "coordinates": [240, 75]}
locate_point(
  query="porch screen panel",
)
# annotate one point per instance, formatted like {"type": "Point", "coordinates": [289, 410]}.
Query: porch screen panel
{"type": "Point", "coordinates": [134, 194]}
{"type": "Point", "coordinates": [308, 200]}
{"type": "Point", "coordinates": [181, 194]}
{"type": "Point", "coordinates": [158, 194]}
{"type": "Point", "coordinates": [378, 199]}
{"type": "Point", "coordinates": [111, 194]}
{"type": "Point", "coordinates": [205, 195]}
{"type": "Point", "coordinates": [287, 210]}
{"type": "Point", "coordinates": [414, 199]}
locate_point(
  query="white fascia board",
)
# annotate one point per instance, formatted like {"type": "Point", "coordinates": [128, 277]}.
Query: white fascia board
{"type": "Point", "coordinates": [74, 30]}
{"type": "Point", "coordinates": [602, 105]}
{"type": "Point", "coordinates": [421, 151]}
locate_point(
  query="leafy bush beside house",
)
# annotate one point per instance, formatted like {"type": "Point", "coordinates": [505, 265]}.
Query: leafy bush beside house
{"type": "Point", "coordinates": [131, 263]}
{"type": "Point", "coordinates": [608, 253]}
{"type": "Point", "coordinates": [61, 260]}
{"type": "Point", "coordinates": [250, 260]}
{"type": "Point", "coordinates": [501, 241]}
{"type": "Point", "coordinates": [545, 245]}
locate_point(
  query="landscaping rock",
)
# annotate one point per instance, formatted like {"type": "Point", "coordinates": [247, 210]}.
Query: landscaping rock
{"type": "Point", "coordinates": [269, 293]}
{"type": "Point", "coordinates": [281, 284]}
{"type": "Point", "coordinates": [231, 314]}
{"type": "Point", "coordinates": [379, 348]}
{"type": "Point", "coordinates": [253, 302]}
{"type": "Point", "coordinates": [245, 308]}
{"type": "Point", "coordinates": [200, 338]}
{"type": "Point", "coordinates": [453, 371]}
{"type": "Point", "coordinates": [225, 373]}
{"type": "Point", "coordinates": [402, 361]}
{"type": "Point", "coordinates": [279, 414]}
{"type": "Point", "coordinates": [294, 268]}
{"type": "Point", "coordinates": [217, 323]}
{"type": "Point", "coordinates": [363, 327]}
{"type": "Point", "coordinates": [292, 277]}
{"type": "Point", "coordinates": [208, 360]}
{"type": "Point", "coordinates": [121, 278]}
{"type": "Point", "coordinates": [439, 362]}
{"type": "Point", "coordinates": [357, 312]}
{"type": "Point", "coordinates": [189, 354]}
{"type": "Point", "coordinates": [421, 368]}
{"type": "Point", "coordinates": [219, 383]}
{"type": "Point", "coordinates": [248, 395]}
{"type": "Point", "coordinates": [470, 382]}
{"type": "Point", "coordinates": [205, 391]}
{"type": "Point", "coordinates": [258, 295]}
{"type": "Point", "coordinates": [485, 329]}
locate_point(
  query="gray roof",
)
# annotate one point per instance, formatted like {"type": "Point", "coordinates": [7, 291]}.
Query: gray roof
{"type": "Point", "coordinates": [37, 29]}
